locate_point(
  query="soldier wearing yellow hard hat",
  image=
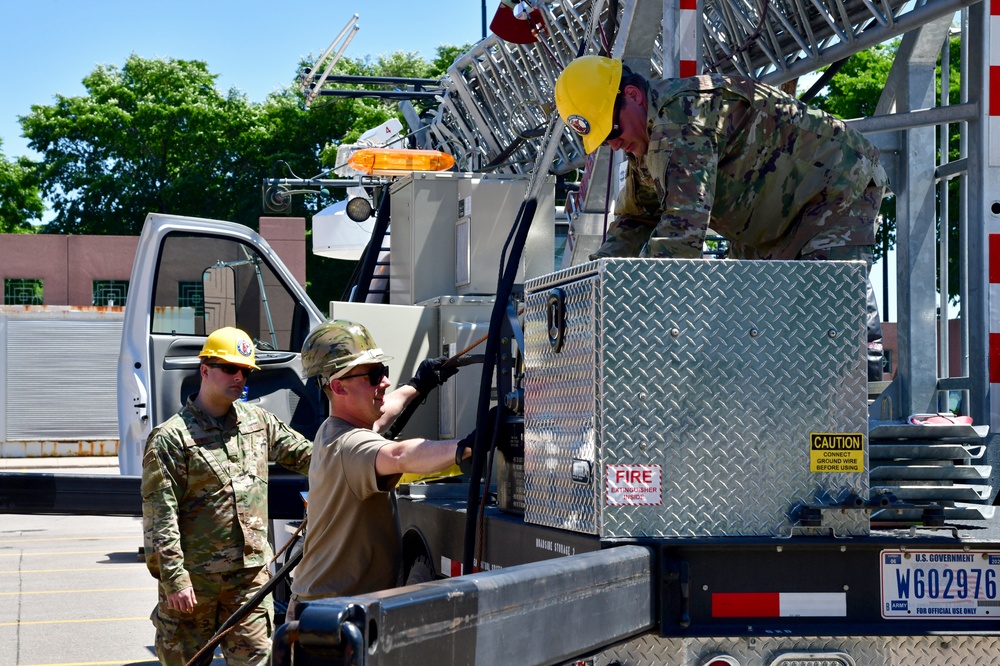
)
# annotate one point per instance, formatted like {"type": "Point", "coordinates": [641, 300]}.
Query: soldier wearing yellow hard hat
{"type": "Point", "coordinates": [204, 508]}
{"type": "Point", "coordinates": [586, 93]}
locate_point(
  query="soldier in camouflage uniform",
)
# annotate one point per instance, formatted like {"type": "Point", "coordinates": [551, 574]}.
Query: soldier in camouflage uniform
{"type": "Point", "coordinates": [204, 508]}
{"type": "Point", "coordinates": [353, 545]}
{"type": "Point", "coordinates": [777, 179]}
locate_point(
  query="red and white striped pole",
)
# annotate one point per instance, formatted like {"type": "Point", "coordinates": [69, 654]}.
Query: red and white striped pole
{"type": "Point", "coordinates": [681, 38]}
{"type": "Point", "coordinates": [993, 160]}
{"type": "Point", "coordinates": [688, 42]}
{"type": "Point", "coordinates": [994, 342]}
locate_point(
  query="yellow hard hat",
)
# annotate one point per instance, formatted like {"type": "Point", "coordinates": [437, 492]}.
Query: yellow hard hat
{"type": "Point", "coordinates": [230, 345]}
{"type": "Point", "coordinates": [585, 96]}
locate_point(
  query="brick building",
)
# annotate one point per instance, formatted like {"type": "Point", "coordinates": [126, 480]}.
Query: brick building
{"type": "Point", "coordinates": [51, 269]}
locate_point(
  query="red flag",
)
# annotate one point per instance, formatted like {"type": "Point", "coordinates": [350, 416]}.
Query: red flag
{"type": "Point", "coordinates": [514, 29]}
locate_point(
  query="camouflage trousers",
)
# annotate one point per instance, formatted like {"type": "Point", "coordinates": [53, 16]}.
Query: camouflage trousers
{"type": "Point", "coordinates": [179, 636]}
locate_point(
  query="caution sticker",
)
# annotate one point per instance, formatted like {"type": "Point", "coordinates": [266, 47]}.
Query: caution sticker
{"type": "Point", "coordinates": [836, 452]}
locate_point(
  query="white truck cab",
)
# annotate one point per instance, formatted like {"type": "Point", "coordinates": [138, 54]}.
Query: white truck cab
{"type": "Point", "coordinates": [190, 277]}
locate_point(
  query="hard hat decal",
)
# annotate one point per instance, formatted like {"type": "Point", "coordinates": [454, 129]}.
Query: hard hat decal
{"type": "Point", "coordinates": [244, 347]}
{"type": "Point", "coordinates": [579, 124]}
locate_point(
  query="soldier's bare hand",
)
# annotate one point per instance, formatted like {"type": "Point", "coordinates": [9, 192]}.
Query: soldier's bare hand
{"type": "Point", "coordinates": [182, 601]}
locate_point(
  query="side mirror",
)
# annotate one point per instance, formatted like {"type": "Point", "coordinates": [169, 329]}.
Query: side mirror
{"type": "Point", "coordinates": [219, 284]}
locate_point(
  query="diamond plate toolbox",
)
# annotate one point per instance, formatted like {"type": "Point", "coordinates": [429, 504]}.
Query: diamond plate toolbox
{"type": "Point", "coordinates": [674, 397]}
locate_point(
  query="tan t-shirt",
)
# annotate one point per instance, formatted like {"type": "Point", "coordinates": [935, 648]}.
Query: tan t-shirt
{"type": "Point", "coordinates": [352, 539]}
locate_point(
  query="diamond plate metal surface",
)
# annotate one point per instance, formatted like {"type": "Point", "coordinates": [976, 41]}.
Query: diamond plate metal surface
{"type": "Point", "coordinates": [717, 371]}
{"type": "Point", "coordinates": [651, 650]}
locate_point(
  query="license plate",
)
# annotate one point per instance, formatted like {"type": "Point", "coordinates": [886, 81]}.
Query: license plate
{"type": "Point", "coordinates": [945, 584]}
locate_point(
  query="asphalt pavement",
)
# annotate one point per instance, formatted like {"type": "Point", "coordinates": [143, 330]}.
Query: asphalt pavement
{"type": "Point", "coordinates": [73, 589]}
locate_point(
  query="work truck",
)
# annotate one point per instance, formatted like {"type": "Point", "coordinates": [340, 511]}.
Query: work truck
{"type": "Point", "coordinates": [677, 461]}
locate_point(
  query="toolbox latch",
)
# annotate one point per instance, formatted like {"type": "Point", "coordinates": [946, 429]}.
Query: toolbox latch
{"type": "Point", "coordinates": [555, 312]}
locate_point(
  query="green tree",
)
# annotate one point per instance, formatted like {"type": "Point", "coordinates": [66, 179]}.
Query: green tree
{"type": "Point", "coordinates": [444, 58]}
{"type": "Point", "coordinates": [854, 92]}
{"type": "Point", "coordinates": [153, 136]}
{"type": "Point", "coordinates": [20, 201]}
{"type": "Point", "coordinates": [954, 152]}
{"type": "Point", "coordinates": [158, 136]}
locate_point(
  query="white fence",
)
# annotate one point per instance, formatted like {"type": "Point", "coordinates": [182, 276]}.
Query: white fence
{"type": "Point", "coordinates": [58, 388]}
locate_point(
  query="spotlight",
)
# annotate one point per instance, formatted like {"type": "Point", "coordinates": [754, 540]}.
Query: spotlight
{"type": "Point", "coordinates": [359, 209]}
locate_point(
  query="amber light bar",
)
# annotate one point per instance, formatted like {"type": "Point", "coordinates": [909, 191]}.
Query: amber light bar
{"type": "Point", "coordinates": [389, 161]}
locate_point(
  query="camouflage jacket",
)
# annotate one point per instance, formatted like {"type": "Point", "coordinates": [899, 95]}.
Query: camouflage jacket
{"type": "Point", "coordinates": [204, 490]}
{"type": "Point", "coordinates": [751, 162]}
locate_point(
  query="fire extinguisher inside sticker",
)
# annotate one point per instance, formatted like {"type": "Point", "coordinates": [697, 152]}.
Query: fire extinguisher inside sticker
{"type": "Point", "coordinates": [634, 485]}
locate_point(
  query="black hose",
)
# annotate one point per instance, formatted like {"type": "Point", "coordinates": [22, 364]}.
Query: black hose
{"type": "Point", "coordinates": [512, 148]}
{"type": "Point", "coordinates": [522, 225]}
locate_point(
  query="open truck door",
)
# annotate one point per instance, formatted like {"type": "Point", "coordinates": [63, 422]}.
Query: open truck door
{"type": "Point", "coordinates": [190, 277]}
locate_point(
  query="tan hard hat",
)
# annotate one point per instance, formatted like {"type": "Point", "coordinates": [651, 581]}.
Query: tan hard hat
{"type": "Point", "coordinates": [334, 347]}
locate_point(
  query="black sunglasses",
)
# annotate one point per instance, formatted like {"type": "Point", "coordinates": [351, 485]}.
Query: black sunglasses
{"type": "Point", "coordinates": [616, 130]}
{"type": "Point", "coordinates": [231, 369]}
{"type": "Point", "coordinates": [374, 375]}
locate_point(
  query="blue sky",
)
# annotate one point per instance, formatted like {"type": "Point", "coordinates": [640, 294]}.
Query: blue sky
{"type": "Point", "coordinates": [49, 46]}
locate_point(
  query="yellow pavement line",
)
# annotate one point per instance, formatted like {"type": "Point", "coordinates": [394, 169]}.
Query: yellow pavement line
{"type": "Point", "coordinates": [102, 619]}
{"type": "Point", "coordinates": [101, 663]}
{"type": "Point", "coordinates": [106, 589]}
{"type": "Point", "coordinates": [56, 552]}
{"type": "Point", "coordinates": [81, 538]}
{"type": "Point", "coordinates": [101, 568]}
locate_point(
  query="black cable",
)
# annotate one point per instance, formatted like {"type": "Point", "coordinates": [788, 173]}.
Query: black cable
{"type": "Point", "coordinates": [821, 82]}
{"type": "Point", "coordinates": [397, 426]}
{"type": "Point", "coordinates": [519, 231]}
{"type": "Point", "coordinates": [204, 655]}
{"type": "Point", "coordinates": [512, 148]}
{"type": "Point", "coordinates": [353, 280]}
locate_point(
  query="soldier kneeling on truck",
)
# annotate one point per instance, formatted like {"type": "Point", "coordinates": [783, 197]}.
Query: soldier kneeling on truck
{"type": "Point", "coordinates": [776, 178]}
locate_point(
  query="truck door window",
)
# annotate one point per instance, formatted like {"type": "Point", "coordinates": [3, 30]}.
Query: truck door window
{"type": "Point", "coordinates": [204, 283]}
